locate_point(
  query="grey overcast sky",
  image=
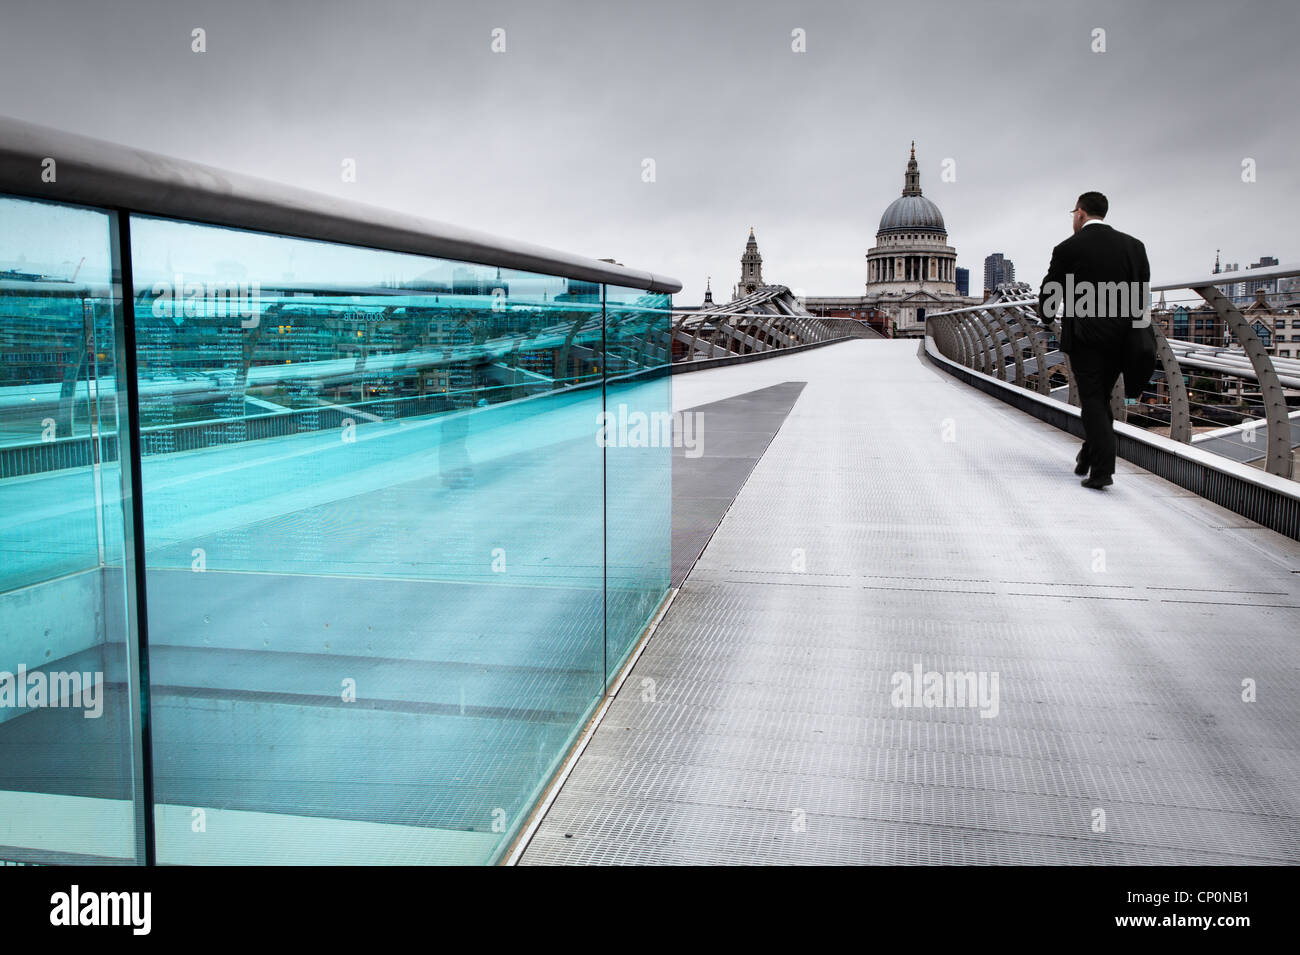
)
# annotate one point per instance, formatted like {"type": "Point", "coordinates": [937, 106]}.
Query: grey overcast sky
{"type": "Point", "coordinates": [545, 142]}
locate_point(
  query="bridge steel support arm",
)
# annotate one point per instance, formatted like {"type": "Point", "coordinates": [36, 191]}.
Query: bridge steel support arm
{"type": "Point", "coordinates": [1279, 458]}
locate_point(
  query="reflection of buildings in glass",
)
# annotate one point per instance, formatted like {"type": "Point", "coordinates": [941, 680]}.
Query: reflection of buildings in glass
{"type": "Point", "coordinates": [455, 468]}
{"type": "Point", "coordinates": [578, 355]}
{"type": "Point", "coordinates": [316, 355]}
{"type": "Point", "coordinates": [476, 281]}
{"type": "Point", "coordinates": [460, 385]}
{"type": "Point", "coordinates": [347, 342]}
{"type": "Point", "coordinates": [51, 334]}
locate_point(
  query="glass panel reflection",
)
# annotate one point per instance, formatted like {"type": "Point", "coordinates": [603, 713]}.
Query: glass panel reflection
{"type": "Point", "coordinates": [65, 751]}
{"type": "Point", "coordinates": [383, 595]}
{"type": "Point", "coordinates": [373, 520]}
{"type": "Point", "coordinates": [638, 465]}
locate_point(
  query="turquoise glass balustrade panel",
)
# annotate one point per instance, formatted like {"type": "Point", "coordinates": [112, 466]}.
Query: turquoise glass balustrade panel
{"type": "Point", "coordinates": [66, 777]}
{"type": "Point", "coordinates": [372, 508]}
{"type": "Point", "coordinates": [639, 443]}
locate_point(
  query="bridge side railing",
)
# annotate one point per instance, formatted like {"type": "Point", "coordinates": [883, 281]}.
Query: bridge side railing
{"type": "Point", "coordinates": [1005, 338]}
{"type": "Point", "coordinates": [768, 321]}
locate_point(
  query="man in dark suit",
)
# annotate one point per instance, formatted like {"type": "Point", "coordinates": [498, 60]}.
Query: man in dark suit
{"type": "Point", "coordinates": [1100, 278]}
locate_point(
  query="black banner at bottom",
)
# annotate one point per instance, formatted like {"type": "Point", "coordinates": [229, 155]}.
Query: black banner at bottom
{"type": "Point", "coordinates": [126, 905]}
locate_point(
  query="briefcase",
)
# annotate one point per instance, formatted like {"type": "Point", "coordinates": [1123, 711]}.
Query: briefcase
{"type": "Point", "coordinates": [1139, 359]}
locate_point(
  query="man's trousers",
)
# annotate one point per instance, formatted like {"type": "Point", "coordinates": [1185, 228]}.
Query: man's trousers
{"type": "Point", "coordinates": [1095, 373]}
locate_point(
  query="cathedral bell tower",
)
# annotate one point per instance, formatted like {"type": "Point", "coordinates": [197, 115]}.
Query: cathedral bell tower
{"type": "Point", "coordinates": [751, 268]}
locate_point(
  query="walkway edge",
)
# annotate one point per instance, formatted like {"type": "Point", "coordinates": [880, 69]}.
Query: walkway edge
{"type": "Point", "coordinates": [539, 813]}
{"type": "Point", "coordinates": [1264, 498]}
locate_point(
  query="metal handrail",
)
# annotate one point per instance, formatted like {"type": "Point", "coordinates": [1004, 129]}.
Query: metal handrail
{"type": "Point", "coordinates": [95, 172]}
{"type": "Point", "coordinates": [1263, 273]}
{"type": "Point", "coordinates": [985, 305]}
{"type": "Point", "coordinates": [766, 321]}
{"type": "Point", "coordinates": [1251, 362]}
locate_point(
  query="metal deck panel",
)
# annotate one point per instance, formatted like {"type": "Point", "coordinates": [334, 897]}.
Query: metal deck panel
{"type": "Point", "coordinates": [757, 726]}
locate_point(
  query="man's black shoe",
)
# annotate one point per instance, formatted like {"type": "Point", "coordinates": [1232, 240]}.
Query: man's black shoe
{"type": "Point", "coordinates": [1080, 465]}
{"type": "Point", "coordinates": [1097, 483]}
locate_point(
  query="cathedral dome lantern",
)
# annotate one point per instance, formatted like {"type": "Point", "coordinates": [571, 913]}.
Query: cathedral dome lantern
{"type": "Point", "coordinates": [912, 212]}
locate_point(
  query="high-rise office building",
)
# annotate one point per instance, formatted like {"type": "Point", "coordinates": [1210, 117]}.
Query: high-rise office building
{"type": "Point", "coordinates": [963, 281]}
{"type": "Point", "coordinates": [1269, 286]}
{"type": "Point", "coordinates": [998, 269]}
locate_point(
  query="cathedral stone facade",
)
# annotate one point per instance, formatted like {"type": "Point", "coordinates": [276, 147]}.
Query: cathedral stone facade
{"type": "Point", "coordinates": [911, 247]}
{"type": "Point", "coordinates": [911, 270]}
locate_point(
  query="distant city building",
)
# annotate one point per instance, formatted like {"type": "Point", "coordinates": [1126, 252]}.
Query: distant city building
{"type": "Point", "coordinates": [1268, 286]}
{"type": "Point", "coordinates": [1233, 291]}
{"type": "Point", "coordinates": [997, 269]}
{"type": "Point", "coordinates": [963, 281]}
{"type": "Point", "coordinates": [1278, 330]}
{"type": "Point", "coordinates": [1201, 326]}
{"type": "Point", "coordinates": [911, 270]}
{"type": "Point", "coordinates": [1288, 292]}
{"type": "Point", "coordinates": [850, 306]}
{"type": "Point", "coordinates": [1265, 322]}
{"type": "Point", "coordinates": [751, 269]}
{"type": "Point", "coordinates": [1276, 327]}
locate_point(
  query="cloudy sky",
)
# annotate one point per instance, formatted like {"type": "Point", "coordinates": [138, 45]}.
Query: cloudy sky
{"type": "Point", "coordinates": [547, 140]}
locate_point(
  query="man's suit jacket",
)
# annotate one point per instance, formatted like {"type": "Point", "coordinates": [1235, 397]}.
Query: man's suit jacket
{"type": "Point", "coordinates": [1095, 255]}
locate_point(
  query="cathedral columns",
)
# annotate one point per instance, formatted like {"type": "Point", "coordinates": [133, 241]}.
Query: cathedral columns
{"type": "Point", "coordinates": [914, 267]}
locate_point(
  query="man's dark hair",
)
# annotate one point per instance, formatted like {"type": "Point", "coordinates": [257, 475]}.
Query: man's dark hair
{"type": "Point", "coordinates": [1093, 203]}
